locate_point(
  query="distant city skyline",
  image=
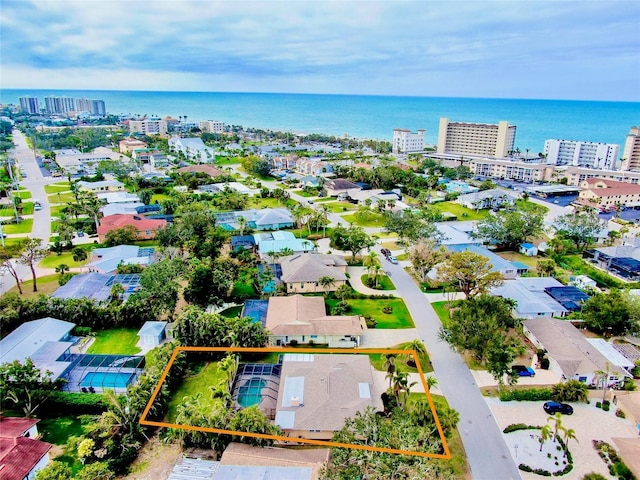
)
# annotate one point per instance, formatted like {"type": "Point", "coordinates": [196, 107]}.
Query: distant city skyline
{"type": "Point", "coordinates": [574, 50]}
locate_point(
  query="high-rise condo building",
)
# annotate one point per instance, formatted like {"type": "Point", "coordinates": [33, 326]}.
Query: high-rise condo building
{"type": "Point", "coordinates": [211, 126]}
{"type": "Point", "coordinates": [581, 154]}
{"type": "Point", "coordinates": [59, 104]}
{"type": "Point", "coordinates": [148, 127]}
{"type": "Point", "coordinates": [95, 107]}
{"type": "Point", "coordinates": [476, 138]}
{"type": "Point", "coordinates": [30, 105]}
{"type": "Point", "coordinates": [631, 152]}
{"type": "Point", "coordinates": [404, 141]}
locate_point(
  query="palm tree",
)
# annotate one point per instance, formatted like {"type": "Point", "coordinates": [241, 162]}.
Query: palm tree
{"type": "Point", "coordinates": [79, 254]}
{"type": "Point", "coordinates": [242, 223]}
{"type": "Point", "coordinates": [390, 366]}
{"type": "Point", "coordinates": [569, 434]}
{"type": "Point", "coordinates": [62, 269]}
{"type": "Point", "coordinates": [545, 434]}
{"type": "Point", "coordinates": [602, 378]}
{"type": "Point", "coordinates": [418, 347]}
{"type": "Point", "coordinates": [326, 283]}
{"type": "Point", "coordinates": [557, 424]}
{"type": "Point", "coordinates": [92, 207]}
{"type": "Point", "coordinates": [372, 263]}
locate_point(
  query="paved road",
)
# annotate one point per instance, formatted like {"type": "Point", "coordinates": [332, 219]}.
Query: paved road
{"type": "Point", "coordinates": [35, 183]}
{"type": "Point", "coordinates": [484, 445]}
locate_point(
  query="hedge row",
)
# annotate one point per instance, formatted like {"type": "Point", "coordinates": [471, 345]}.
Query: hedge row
{"type": "Point", "coordinates": [67, 403]}
{"type": "Point", "coordinates": [523, 395]}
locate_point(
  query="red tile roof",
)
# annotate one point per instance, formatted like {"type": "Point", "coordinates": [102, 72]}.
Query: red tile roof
{"type": "Point", "coordinates": [12, 427]}
{"type": "Point", "coordinates": [208, 169]}
{"type": "Point", "coordinates": [19, 455]}
{"type": "Point", "coordinates": [628, 189]}
{"type": "Point", "coordinates": [120, 220]}
{"type": "Point", "coordinates": [608, 183]}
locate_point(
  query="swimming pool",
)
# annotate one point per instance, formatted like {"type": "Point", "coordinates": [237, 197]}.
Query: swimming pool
{"type": "Point", "coordinates": [249, 392]}
{"type": "Point", "coordinates": [107, 380]}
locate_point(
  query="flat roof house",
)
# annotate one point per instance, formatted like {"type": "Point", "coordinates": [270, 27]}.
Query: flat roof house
{"type": "Point", "coordinates": [305, 319]}
{"type": "Point", "coordinates": [276, 242]}
{"type": "Point", "coordinates": [301, 273]}
{"type": "Point", "coordinates": [318, 393]}
{"type": "Point", "coordinates": [531, 299]}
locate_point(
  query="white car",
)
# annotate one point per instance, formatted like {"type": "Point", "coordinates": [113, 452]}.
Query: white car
{"type": "Point", "coordinates": [393, 260]}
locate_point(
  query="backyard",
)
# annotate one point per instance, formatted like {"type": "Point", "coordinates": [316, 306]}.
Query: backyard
{"type": "Point", "coordinates": [58, 431]}
{"type": "Point", "coordinates": [115, 341]}
{"type": "Point", "coordinates": [207, 377]}
{"type": "Point", "coordinates": [462, 213]}
{"type": "Point", "coordinates": [53, 260]}
{"type": "Point", "coordinates": [398, 317]}
{"type": "Point", "coordinates": [46, 286]}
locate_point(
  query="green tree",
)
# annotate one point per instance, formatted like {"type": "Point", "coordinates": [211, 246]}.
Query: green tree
{"type": "Point", "coordinates": [581, 227]}
{"type": "Point", "coordinates": [7, 254]}
{"type": "Point", "coordinates": [198, 290]}
{"type": "Point", "coordinates": [608, 313]}
{"type": "Point", "coordinates": [471, 272]}
{"type": "Point", "coordinates": [343, 292]}
{"type": "Point", "coordinates": [510, 228]}
{"type": "Point", "coordinates": [352, 239]}
{"type": "Point", "coordinates": [570, 391]}
{"type": "Point", "coordinates": [159, 283]}
{"type": "Point", "coordinates": [500, 355]}
{"type": "Point", "coordinates": [252, 420]}
{"type": "Point", "coordinates": [25, 386]}
{"type": "Point", "coordinates": [424, 256]}
{"type": "Point", "coordinates": [569, 434]}
{"type": "Point", "coordinates": [326, 283]}
{"type": "Point", "coordinates": [95, 471]}
{"type": "Point", "coordinates": [546, 267]}
{"type": "Point", "coordinates": [32, 253]}
{"type": "Point", "coordinates": [55, 471]}
{"type": "Point", "coordinates": [545, 434]}
{"type": "Point", "coordinates": [121, 236]}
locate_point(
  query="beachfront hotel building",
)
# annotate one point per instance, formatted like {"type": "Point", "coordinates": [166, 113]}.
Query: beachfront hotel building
{"type": "Point", "coordinates": [30, 105]}
{"type": "Point", "coordinates": [211, 126]}
{"type": "Point", "coordinates": [581, 154]}
{"type": "Point", "coordinates": [405, 141]}
{"type": "Point", "coordinates": [493, 140]}
{"type": "Point", "coordinates": [148, 127]}
{"type": "Point", "coordinates": [631, 152]}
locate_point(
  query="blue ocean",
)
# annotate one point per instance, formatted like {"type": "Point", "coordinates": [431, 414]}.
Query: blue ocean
{"type": "Point", "coordinates": [373, 117]}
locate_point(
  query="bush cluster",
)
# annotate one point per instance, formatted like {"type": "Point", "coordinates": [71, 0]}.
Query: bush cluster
{"type": "Point", "coordinates": [514, 427]}
{"type": "Point", "coordinates": [67, 403]}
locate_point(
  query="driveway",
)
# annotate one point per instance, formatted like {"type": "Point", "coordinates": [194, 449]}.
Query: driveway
{"type": "Point", "coordinates": [355, 279]}
{"type": "Point", "coordinates": [486, 450]}
{"type": "Point", "coordinates": [589, 423]}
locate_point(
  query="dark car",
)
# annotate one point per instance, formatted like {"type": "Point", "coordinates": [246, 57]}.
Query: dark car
{"type": "Point", "coordinates": [555, 407]}
{"type": "Point", "coordinates": [523, 371]}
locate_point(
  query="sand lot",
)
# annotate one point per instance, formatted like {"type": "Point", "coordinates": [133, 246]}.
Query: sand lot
{"type": "Point", "coordinates": [589, 423]}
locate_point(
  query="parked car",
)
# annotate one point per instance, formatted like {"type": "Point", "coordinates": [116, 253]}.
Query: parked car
{"type": "Point", "coordinates": [523, 371]}
{"type": "Point", "coordinates": [554, 407]}
{"type": "Point", "coordinates": [393, 260]}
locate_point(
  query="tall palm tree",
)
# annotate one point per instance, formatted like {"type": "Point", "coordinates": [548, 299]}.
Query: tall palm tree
{"type": "Point", "coordinates": [326, 282]}
{"type": "Point", "coordinates": [557, 424]}
{"type": "Point", "coordinates": [602, 378]}
{"type": "Point", "coordinates": [242, 223]}
{"type": "Point", "coordinates": [92, 205]}
{"type": "Point", "coordinates": [372, 263]}
{"type": "Point", "coordinates": [545, 434]}
{"type": "Point", "coordinates": [569, 434]}
{"type": "Point", "coordinates": [390, 366]}
{"type": "Point", "coordinates": [418, 347]}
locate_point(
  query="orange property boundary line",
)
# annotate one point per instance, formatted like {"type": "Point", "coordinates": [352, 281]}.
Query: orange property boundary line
{"type": "Point", "coordinates": [446, 455]}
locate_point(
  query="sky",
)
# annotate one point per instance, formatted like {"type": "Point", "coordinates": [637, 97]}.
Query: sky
{"type": "Point", "coordinates": [569, 49]}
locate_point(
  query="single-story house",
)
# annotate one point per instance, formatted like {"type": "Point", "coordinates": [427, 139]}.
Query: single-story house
{"type": "Point", "coordinates": [492, 198]}
{"type": "Point", "coordinates": [265, 219]}
{"type": "Point", "coordinates": [220, 187]}
{"type": "Point", "coordinates": [499, 264]}
{"type": "Point", "coordinates": [106, 260]}
{"type": "Point", "coordinates": [152, 333]}
{"type": "Point", "coordinates": [304, 319]}
{"type": "Point", "coordinates": [121, 209]}
{"type": "Point", "coordinates": [317, 393]}
{"type": "Point", "coordinates": [570, 355]}
{"type": "Point", "coordinates": [47, 341]}
{"type": "Point", "coordinates": [193, 148]}
{"type": "Point", "coordinates": [118, 197]}
{"type": "Point", "coordinates": [456, 186]}
{"type": "Point", "coordinates": [22, 455]}
{"type": "Point", "coordinates": [277, 242]}
{"type": "Point", "coordinates": [531, 299]}
{"type": "Point", "coordinates": [97, 286]}
{"type": "Point", "coordinates": [301, 273]}
{"type": "Point", "coordinates": [340, 187]}
{"type": "Point", "coordinates": [528, 249]}
{"type": "Point", "coordinates": [458, 233]}
{"type": "Point", "coordinates": [101, 186]}
{"type": "Point", "coordinates": [623, 260]}
{"type": "Point", "coordinates": [210, 170]}
{"type": "Point", "coordinates": [145, 228]}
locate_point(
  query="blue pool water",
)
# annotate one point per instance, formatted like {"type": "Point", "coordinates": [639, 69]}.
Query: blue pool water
{"type": "Point", "coordinates": [107, 380]}
{"type": "Point", "coordinates": [249, 393]}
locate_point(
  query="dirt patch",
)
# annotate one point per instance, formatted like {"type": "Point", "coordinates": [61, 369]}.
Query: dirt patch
{"type": "Point", "coordinates": [155, 461]}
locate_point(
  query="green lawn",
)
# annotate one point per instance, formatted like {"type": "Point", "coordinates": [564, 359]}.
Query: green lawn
{"type": "Point", "coordinates": [325, 199]}
{"type": "Point", "coordinates": [159, 198]}
{"type": "Point", "coordinates": [115, 341]}
{"type": "Point", "coordinates": [528, 206]}
{"type": "Point", "coordinates": [442, 310]}
{"type": "Point", "coordinates": [23, 194]}
{"type": "Point", "coordinates": [7, 211]}
{"type": "Point", "coordinates": [339, 207]}
{"type": "Point", "coordinates": [53, 260]}
{"type": "Point", "coordinates": [56, 210]}
{"type": "Point", "coordinates": [272, 203]}
{"type": "Point", "coordinates": [209, 376]}
{"type": "Point", "coordinates": [377, 361]}
{"type": "Point", "coordinates": [57, 187]}
{"type": "Point", "coordinates": [58, 430]}
{"type": "Point", "coordinates": [302, 193]}
{"type": "Point", "coordinates": [62, 198]}
{"type": "Point", "coordinates": [374, 220]}
{"type": "Point", "coordinates": [398, 318]}
{"type": "Point", "coordinates": [24, 226]}
{"type": "Point", "coordinates": [227, 160]}
{"type": "Point", "coordinates": [384, 282]}
{"type": "Point", "coordinates": [46, 286]}
{"type": "Point", "coordinates": [27, 208]}
{"type": "Point", "coordinates": [459, 211]}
